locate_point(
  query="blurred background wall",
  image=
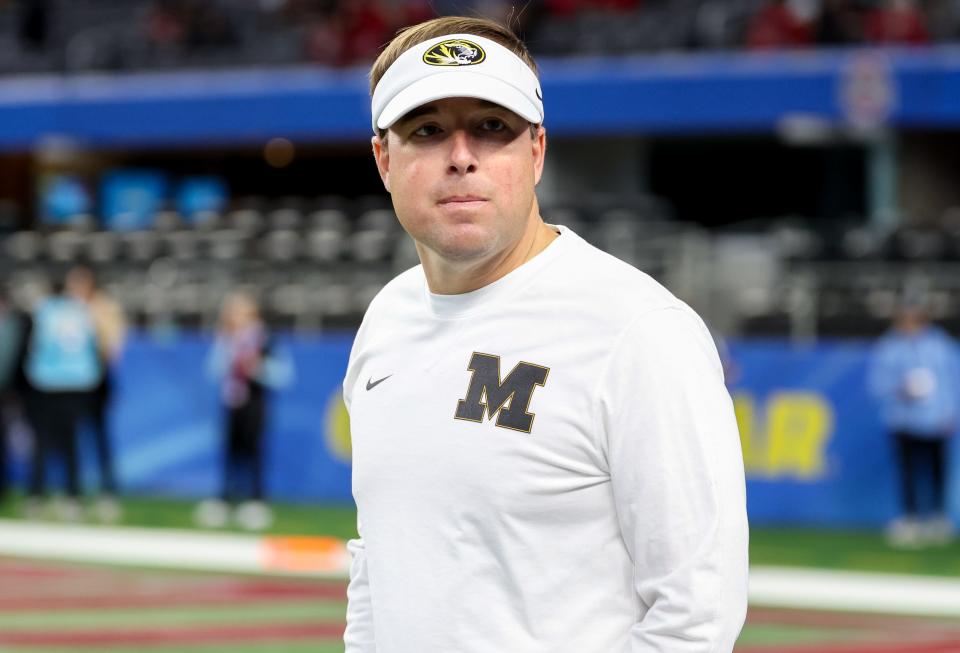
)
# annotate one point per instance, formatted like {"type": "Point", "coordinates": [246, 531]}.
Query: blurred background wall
{"type": "Point", "coordinates": [787, 168]}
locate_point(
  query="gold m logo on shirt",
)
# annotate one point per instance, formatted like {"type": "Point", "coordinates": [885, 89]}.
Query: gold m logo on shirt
{"type": "Point", "coordinates": [487, 395]}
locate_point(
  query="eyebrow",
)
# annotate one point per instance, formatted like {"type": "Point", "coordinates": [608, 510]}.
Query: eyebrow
{"type": "Point", "coordinates": [431, 108]}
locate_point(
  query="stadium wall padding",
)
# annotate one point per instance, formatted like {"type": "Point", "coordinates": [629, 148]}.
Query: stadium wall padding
{"type": "Point", "coordinates": [814, 448]}
{"type": "Point", "coordinates": [669, 93]}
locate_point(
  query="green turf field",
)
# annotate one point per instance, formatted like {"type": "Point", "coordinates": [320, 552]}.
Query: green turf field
{"type": "Point", "coordinates": [289, 519]}
{"type": "Point", "coordinates": [851, 550]}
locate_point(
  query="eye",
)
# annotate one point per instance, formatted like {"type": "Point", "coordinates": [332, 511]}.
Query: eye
{"type": "Point", "coordinates": [426, 130]}
{"type": "Point", "coordinates": [493, 125]}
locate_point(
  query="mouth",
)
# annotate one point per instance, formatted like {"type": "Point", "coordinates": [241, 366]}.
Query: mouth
{"type": "Point", "coordinates": [461, 200]}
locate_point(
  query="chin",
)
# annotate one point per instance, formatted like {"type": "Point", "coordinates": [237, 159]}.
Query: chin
{"type": "Point", "coordinates": [465, 244]}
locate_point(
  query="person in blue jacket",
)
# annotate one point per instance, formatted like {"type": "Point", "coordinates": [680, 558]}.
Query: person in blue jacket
{"type": "Point", "coordinates": [915, 376]}
{"type": "Point", "coordinates": [62, 367]}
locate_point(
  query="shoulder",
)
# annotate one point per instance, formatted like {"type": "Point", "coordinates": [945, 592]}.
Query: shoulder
{"type": "Point", "coordinates": [592, 281]}
{"type": "Point", "coordinates": [942, 337]}
{"type": "Point", "coordinates": [397, 300]}
{"type": "Point", "coordinates": [401, 291]}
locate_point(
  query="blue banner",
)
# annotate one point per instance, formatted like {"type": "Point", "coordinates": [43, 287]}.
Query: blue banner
{"type": "Point", "coordinates": [688, 93]}
{"type": "Point", "coordinates": [814, 448]}
{"type": "Point", "coordinates": [167, 421]}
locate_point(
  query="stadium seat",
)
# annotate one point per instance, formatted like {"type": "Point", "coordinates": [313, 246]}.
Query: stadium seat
{"type": "Point", "coordinates": [64, 246]}
{"type": "Point", "coordinates": [282, 245]}
{"type": "Point", "coordinates": [25, 246]}
{"type": "Point", "coordinates": [168, 221]}
{"type": "Point", "coordinates": [863, 243]}
{"type": "Point", "coordinates": [918, 244]}
{"type": "Point", "coordinates": [183, 245]}
{"type": "Point", "coordinates": [285, 218]}
{"type": "Point", "coordinates": [250, 221]}
{"type": "Point", "coordinates": [330, 219]}
{"type": "Point", "coordinates": [102, 247]}
{"type": "Point", "coordinates": [207, 220]}
{"type": "Point", "coordinates": [227, 244]}
{"type": "Point", "coordinates": [371, 245]}
{"type": "Point", "coordinates": [324, 245]}
{"type": "Point", "coordinates": [384, 220]}
{"type": "Point", "coordinates": [336, 300]}
{"type": "Point", "coordinates": [140, 246]}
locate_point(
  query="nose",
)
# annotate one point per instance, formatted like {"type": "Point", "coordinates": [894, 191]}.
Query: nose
{"type": "Point", "coordinates": [462, 157]}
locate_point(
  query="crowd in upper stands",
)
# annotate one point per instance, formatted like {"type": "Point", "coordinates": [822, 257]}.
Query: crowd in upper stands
{"type": "Point", "coordinates": [133, 34]}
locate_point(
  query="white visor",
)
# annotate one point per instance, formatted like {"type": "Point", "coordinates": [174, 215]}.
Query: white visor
{"type": "Point", "coordinates": [456, 65]}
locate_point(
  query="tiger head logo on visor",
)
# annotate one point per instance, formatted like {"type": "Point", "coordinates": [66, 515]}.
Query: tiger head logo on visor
{"type": "Point", "coordinates": [454, 52]}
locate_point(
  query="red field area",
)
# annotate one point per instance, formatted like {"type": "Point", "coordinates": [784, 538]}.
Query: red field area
{"type": "Point", "coordinates": [55, 608]}
{"type": "Point", "coordinates": [808, 631]}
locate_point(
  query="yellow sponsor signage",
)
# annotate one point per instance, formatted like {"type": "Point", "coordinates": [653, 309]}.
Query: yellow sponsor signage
{"type": "Point", "coordinates": [786, 436]}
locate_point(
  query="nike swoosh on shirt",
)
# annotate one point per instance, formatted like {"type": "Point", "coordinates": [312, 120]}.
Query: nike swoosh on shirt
{"type": "Point", "coordinates": [371, 384]}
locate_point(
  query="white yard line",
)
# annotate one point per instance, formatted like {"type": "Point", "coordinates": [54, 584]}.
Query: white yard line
{"type": "Point", "coordinates": [176, 549]}
{"type": "Point", "coordinates": [857, 591]}
{"type": "Point", "coordinates": [182, 549]}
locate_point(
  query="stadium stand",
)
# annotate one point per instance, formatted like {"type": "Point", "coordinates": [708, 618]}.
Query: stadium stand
{"type": "Point", "coordinates": [75, 35]}
{"type": "Point", "coordinates": [313, 265]}
{"type": "Point", "coordinates": [315, 262]}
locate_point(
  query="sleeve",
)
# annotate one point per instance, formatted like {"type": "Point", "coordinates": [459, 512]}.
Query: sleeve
{"type": "Point", "coordinates": [358, 636]}
{"type": "Point", "coordinates": [676, 470]}
{"type": "Point", "coordinates": [882, 377]}
{"type": "Point", "coordinates": [277, 370]}
{"type": "Point", "coordinates": [952, 359]}
{"type": "Point", "coordinates": [217, 360]}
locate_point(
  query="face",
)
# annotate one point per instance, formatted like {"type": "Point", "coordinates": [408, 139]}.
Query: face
{"type": "Point", "coordinates": [462, 173]}
{"type": "Point", "coordinates": [239, 311]}
{"type": "Point", "coordinates": [911, 319]}
{"type": "Point", "coordinates": [79, 283]}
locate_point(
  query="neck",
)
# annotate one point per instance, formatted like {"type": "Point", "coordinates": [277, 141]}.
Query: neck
{"type": "Point", "coordinates": [446, 277]}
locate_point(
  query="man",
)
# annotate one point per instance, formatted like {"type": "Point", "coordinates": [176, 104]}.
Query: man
{"type": "Point", "coordinates": [62, 367]}
{"type": "Point", "coordinates": [110, 329]}
{"type": "Point", "coordinates": [12, 335]}
{"type": "Point", "coordinates": [545, 458]}
{"type": "Point", "coordinates": [915, 375]}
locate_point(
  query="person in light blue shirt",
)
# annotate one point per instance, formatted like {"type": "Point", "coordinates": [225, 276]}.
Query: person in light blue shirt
{"type": "Point", "coordinates": [62, 367]}
{"type": "Point", "coordinates": [915, 376]}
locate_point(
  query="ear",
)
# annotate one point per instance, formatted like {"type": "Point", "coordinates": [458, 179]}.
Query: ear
{"type": "Point", "coordinates": [382, 156]}
{"type": "Point", "coordinates": [539, 145]}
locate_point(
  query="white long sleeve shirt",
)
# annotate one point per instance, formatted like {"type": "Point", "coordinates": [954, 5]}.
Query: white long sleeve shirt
{"type": "Point", "coordinates": [605, 515]}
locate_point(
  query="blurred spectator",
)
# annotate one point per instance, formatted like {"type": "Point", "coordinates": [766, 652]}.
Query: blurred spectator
{"type": "Point", "coordinates": [365, 27]}
{"type": "Point", "coordinates": [915, 374]}
{"type": "Point", "coordinates": [896, 22]}
{"type": "Point", "coordinates": [208, 26]}
{"type": "Point", "coordinates": [324, 40]}
{"type": "Point", "coordinates": [166, 23]}
{"type": "Point", "coordinates": [778, 25]}
{"type": "Point", "coordinates": [12, 333]}
{"type": "Point", "coordinates": [62, 368]}
{"type": "Point", "coordinates": [248, 364]}
{"type": "Point", "coordinates": [110, 329]}
{"type": "Point", "coordinates": [336, 32]}
{"type": "Point", "coordinates": [839, 23]}
{"type": "Point", "coordinates": [34, 23]}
